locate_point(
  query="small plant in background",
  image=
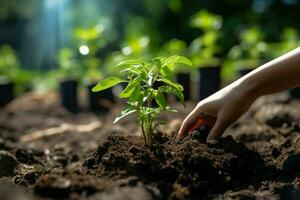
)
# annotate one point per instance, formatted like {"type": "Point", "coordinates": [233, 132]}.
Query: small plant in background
{"type": "Point", "coordinates": [176, 47]}
{"type": "Point", "coordinates": [12, 72]}
{"type": "Point", "coordinates": [139, 38]}
{"type": "Point", "coordinates": [69, 72]}
{"type": "Point", "coordinates": [9, 64]}
{"type": "Point", "coordinates": [251, 50]}
{"type": "Point", "coordinates": [90, 41]}
{"type": "Point", "coordinates": [205, 48]}
{"type": "Point", "coordinates": [140, 91]}
{"type": "Point", "coordinates": [290, 39]}
{"type": "Point", "coordinates": [69, 67]}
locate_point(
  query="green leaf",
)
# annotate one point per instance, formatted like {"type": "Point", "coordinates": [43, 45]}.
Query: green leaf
{"type": "Point", "coordinates": [166, 72]}
{"type": "Point", "coordinates": [127, 92]}
{"type": "Point", "coordinates": [129, 63]}
{"type": "Point", "coordinates": [107, 83]}
{"type": "Point", "coordinates": [131, 70]}
{"type": "Point", "coordinates": [170, 109]}
{"type": "Point", "coordinates": [160, 99]}
{"type": "Point", "coordinates": [178, 93]}
{"type": "Point", "coordinates": [180, 96]}
{"type": "Point", "coordinates": [158, 61]}
{"type": "Point", "coordinates": [172, 84]}
{"type": "Point", "coordinates": [171, 61]}
{"type": "Point", "coordinates": [124, 113]}
{"type": "Point", "coordinates": [155, 111]}
{"type": "Point", "coordinates": [136, 95]}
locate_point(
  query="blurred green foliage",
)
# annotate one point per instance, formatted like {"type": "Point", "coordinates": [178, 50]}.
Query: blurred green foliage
{"type": "Point", "coordinates": [11, 71]}
{"type": "Point", "coordinates": [87, 42]}
{"type": "Point", "coordinates": [95, 35]}
{"type": "Point", "coordinates": [9, 64]}
{"type": "Point", "coordinates": [290, 39]}
{"type": "Point", "coordinates": [251, 50]}
{"type": "Point", "coordinates": [249, 53]}
{"type": "Point", "coordinates": [205, 49]}
{"type": "Point", "coordinates": [69, 66]}
{"type": "Point", "coordinates": [18, 8]}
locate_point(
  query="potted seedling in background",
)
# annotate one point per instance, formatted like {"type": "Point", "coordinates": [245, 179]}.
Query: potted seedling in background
{"type": "Point", "coordinates": [182, 72]}
{"type": "Point", "coordinates": [250, 52]}
{"type": "Point", "coordinates": [69, 73]}
{"type": "Point", "coordinates": [8, 64]}
{"type": "Point", "coordinates": [98, 102]}
{"type": "Point", "coordinates": [138, 35]}
{"type": "Point", "coordinates": [45, 81]}
{"type": "Point", "coordinates": [90, 42]}
{"type": "Point", "coordinates": [140, 40]}
{"type": "Point", "coordinates": [204, 52]}
{"type": "Point", "coordinates": [140, 92]}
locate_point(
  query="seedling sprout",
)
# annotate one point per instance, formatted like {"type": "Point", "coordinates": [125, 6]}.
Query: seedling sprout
{"type": "Point", "coordinates": [140, 92]}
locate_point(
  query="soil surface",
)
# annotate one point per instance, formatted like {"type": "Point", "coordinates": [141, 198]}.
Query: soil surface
{"type": "Point", "coordinates": [49, 153]}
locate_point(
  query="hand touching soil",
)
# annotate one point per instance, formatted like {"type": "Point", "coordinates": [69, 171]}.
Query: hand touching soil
{"type": "Point", "coordinates": [228, 104]}
{"type": "Point", "coordinates": [220, 110]}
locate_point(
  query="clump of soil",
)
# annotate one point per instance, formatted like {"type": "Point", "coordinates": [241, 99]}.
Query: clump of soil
{"type": "Point", "coordinates": [8, 164]}
{"type": "Point", "coordinates": [180, 169]}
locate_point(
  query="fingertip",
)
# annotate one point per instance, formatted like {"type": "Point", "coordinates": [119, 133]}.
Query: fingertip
{"type": "Point", "coordinates": [182, 131]}
{"type": "Point", "coordinates": [187, 125]}
{"type": "Point", "coordinates": [216, 131]}
{"type": "Point", "coordinates": [214, 135]}
{"type": "Point", "coordinates": [179, 137]}
{"type": "Point", "coordinates": [211, 141]}
{"type": "Point", "coordinates": [199, 122]}
{"type": "Point", "coordinates": [180, 134]}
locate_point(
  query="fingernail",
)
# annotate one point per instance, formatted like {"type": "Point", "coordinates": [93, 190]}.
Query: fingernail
{"type": "Point", "coordinates": [210, 141]}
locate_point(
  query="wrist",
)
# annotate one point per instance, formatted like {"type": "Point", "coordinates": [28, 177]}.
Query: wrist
{"type": "Point", "coordinates": [248, 88]}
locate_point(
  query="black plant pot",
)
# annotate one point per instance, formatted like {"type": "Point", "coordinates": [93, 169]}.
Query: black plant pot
{"type": "Point", "coordinates": [209, 81]}
{"type": "Point", "coordinates": [185, 80]}
{"type": "Point", "coordinates": [6, 93]}
{"type": "Point", "coordinates": [102, 101]}
{"type": "Point", "coordinates": [68, 95]}
{"type": "Point", "coordinates": [295, 93]}
{"type": "Point", "coordinates": [243, 72]}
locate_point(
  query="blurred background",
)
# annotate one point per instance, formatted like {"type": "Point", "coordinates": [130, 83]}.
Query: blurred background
{"type": "Point", "coordinates": [63, 45]}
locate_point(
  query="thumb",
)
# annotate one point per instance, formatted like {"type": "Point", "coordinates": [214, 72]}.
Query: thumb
{"type": "Point", "coordinates": [217, 130]}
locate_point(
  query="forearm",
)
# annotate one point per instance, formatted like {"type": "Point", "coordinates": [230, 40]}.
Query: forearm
{"type": "Point", "coordinates": [279, 74]}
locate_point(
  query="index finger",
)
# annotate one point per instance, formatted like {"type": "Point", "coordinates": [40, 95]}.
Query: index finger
{"type": "Point", "coordinates": [194, 121]}
{"type": "Point", "coordinates": [187, 123]}
{"type": "Point", "coordinates": [200, 122]}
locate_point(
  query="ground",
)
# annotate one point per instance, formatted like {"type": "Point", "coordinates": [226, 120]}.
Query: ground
{"type": "Point", "coordinates": [49, 153]}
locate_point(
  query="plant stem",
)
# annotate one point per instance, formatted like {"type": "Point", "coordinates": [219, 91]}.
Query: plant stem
{"type": "Point", "coordinates": [150, 129]}
{"type": "Point", "coordinates": [143, 131]}
{"type": "Point", "coordinates": [149, 123]}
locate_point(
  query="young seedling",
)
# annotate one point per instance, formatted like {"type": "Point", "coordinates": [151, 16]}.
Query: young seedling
{"type": "Point", "coordinates": [140, 92]}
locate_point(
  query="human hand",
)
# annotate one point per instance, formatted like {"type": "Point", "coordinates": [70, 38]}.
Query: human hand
{"type": "Point", "coordinates": [219, 111]}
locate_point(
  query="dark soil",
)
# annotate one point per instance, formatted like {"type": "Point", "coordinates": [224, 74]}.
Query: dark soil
{"type": "Point", "coordinates": [179, 169]}
{"type": "Point", "coordinates": [49, 153]}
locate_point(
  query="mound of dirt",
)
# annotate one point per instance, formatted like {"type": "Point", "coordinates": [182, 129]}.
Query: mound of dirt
{"type": "Point", "coordinates": [179, 169]}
